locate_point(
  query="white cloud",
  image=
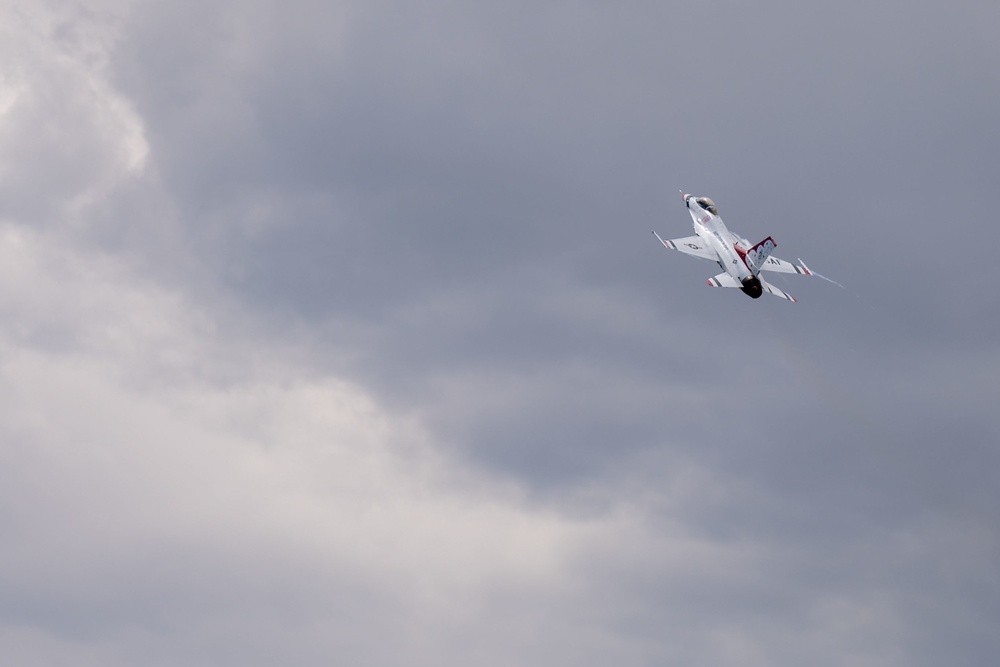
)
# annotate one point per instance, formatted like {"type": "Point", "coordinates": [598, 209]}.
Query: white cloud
{"type": "Point", "coordinates": [138, 484]}
{"type": "Point", "coordinates": [170, 486]}
{"type": "Point", "coordinates": [66, 136]}
{"type": "Point", "coordinates": [177, 487]}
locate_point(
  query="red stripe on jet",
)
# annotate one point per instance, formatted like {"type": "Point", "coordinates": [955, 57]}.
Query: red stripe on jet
{"type": "Point", "coordinates": [742, 253]}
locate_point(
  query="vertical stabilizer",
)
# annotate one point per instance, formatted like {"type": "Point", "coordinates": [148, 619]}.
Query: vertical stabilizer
{"type": "Point", "coordinates": [757, 255]}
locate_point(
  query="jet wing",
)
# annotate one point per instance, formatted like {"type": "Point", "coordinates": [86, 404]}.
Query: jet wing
{"type": "Point", "coordinates": [690, 245]}
{"type": "Point", "coordinates": [781, 266]}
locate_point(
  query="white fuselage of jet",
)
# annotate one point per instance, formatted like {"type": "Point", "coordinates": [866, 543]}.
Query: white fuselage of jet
{"type": "Point", "coordinates": [742, 263]}
{"type": "Point", "coordinates": [731, 249]}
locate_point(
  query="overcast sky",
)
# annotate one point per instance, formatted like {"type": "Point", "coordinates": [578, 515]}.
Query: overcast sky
{"type": "Point", "coordinates": [334, 333]}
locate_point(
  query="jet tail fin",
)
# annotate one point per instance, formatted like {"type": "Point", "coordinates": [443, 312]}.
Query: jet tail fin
{"type": "Point", "coordinates": [757, 255]}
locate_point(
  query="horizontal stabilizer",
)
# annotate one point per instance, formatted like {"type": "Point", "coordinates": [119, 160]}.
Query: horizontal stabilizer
{"type": "Point", "coordinates": [771, 289]}
{"type": "Point", "coordinates": [724, 280]}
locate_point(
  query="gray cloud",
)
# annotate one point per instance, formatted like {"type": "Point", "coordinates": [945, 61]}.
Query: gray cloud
{"type": "Point", "coordinates": [337, 330]}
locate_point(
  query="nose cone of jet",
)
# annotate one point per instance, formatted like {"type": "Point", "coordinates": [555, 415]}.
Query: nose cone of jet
{"type": "Point", "coordinates": [684, 195]}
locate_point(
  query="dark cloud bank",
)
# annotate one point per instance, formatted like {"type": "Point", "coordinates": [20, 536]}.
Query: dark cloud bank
{"type": "Point", "coordinates": [449, 207]}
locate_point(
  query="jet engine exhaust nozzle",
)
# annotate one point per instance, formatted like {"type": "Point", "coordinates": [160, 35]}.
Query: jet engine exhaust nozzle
{"type": "Point", "coordinates": [752, 287]}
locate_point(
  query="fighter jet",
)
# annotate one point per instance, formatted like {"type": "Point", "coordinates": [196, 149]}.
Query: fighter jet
{"type": "Point", "coordinates": [741, 263]}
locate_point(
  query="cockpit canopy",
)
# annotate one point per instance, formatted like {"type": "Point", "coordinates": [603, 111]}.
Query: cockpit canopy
{"type": "Point", "coordinates": [708, 205]}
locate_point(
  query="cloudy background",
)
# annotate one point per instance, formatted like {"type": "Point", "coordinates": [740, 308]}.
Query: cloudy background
{"type": "Point", "coordinates": [334, 333]}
